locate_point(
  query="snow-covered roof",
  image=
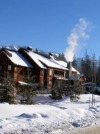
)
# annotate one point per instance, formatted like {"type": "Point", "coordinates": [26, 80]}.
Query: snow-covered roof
{"type": "Point", "coordinates": [24, 83]}
{"type": "Point", "coordinates": [13, 48]}
{"type": "Point", "coordinates": [64, 64]}
{"type": "Point", "coordinates": [18, 59]}
{"type": "Point", "coordinates": [60, 78]}
{"type": "Point", "coordinates": [41, 61]}
{"type": "Point", "coordinates": [35, 59]}
{"type": "Point", "coordinates": [61, 63]}
{"type": "Point", "coordinates": [74, 70]}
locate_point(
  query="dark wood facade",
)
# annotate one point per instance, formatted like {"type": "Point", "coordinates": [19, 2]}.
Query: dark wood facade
{"type": "Point", "coordinates": [37, 71]}
{"type": "Point", "coordinates": [54, 73]}
{"type": "Point", "coordinates": [9, 69]}
{"type": "Point", "coordinates": [44, 76]}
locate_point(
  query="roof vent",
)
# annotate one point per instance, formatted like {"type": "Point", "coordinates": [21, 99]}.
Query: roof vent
{"type": "Point", "coordinates": [29, 48]}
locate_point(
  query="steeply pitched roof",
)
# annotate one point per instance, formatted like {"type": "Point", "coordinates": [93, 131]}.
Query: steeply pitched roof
{"type": "Point", "coordinates": [35, 59]}
{"type": "Point", "coordinates": [41, 58]}
{"type": "Point", "coordinates": [60, 62]}
{"type": "Point", "coordinates": [43, 61]}
{"type": "Point", "coordinates": [74, 70]}
{"type": "Point", "coordinates": [17, 58]}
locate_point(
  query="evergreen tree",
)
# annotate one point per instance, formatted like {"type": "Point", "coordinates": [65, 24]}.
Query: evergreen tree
{"type": "Point", "coordinates": [98, 72]}
{"type": "Point", "coordinates": [86, 67]}
{"type": "Point", "coordinates": [27, 90]}
{"type": "Point", "coordinates": [94, 68]}
{"type": "Point", "coordinates": [56, 92]}
{"type": "Point", "coordinates": [8, 87]}
{"type": "Point", "coordinates": [76, 90]}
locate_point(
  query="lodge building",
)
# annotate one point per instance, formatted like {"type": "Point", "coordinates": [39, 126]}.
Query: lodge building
{"type": "Point", "coordinates": [45, 66]}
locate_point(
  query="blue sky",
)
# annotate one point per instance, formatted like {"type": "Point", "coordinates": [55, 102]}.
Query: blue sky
{"type": "Point", "coordinates": [46, 24]}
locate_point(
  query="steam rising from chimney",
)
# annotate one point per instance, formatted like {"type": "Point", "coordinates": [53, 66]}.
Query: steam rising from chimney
{"type": "Point", "coordinates": [78, 35]}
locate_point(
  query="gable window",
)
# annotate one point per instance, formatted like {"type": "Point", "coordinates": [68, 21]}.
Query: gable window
{"type": "Point", "coordinates": [9, 67]}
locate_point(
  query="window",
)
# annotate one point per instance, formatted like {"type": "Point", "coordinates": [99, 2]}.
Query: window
{"type": "Point", "coordinates": [50, 72]}
{"type": "Point", "coordinates": [9, 67]}
{"type": "Point", "coordinates": [64, 74]}
{"type": "Point", "coordinates": [50, 81]}
{"type": "Point", "coordinates": [15, 76]}
{"type": "Point", "coordinates": [42, 72]}
{"type": "Point", "coordinates": [59, 72]}
{"type": "Point", "coordinates": [15, 68]}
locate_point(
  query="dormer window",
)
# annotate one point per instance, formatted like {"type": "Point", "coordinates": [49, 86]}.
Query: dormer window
{"type": "Point", "coordinates": [9, 67]}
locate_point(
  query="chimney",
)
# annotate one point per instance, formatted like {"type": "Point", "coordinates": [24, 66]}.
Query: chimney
{"type": "Point", "coordinates": [70, 68]}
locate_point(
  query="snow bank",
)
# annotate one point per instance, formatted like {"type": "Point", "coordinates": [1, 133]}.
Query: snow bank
{"type": "Point", "coordinates": [48, 116]}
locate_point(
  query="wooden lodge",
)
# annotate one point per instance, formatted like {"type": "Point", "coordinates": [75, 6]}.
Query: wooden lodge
{"type": "Point", "coordinates": [45, 69]}
{"type": "Point", "coordinates": [45, 66]}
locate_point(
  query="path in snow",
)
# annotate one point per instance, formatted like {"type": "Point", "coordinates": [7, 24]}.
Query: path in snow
{"type": "Point", "coordinates": [88, 130]}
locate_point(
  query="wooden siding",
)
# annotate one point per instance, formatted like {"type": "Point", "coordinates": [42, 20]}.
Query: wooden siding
{"type": "Point", "coordinates": [43, 76]}
{"type": "Point", "coordinates": [37, 71]}
{"type": "Point", "coordinates": [5, 62]}
{"type": "Point", "coordinates": [51, 74]}
{"type": "Point", "coordinates": [16, 72]}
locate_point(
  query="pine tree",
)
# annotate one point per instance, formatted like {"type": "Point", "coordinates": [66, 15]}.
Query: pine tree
{"type": "Point", "coordinates": [8, 89]}
{"type": "Point", "coordinates": [28, 89]}
{"type": "Point", "coordinates": [98, 72]}
{"type": "Point", "coordinates": [56, 92]}
{"type": "Point", "coordinates": [76, 90]}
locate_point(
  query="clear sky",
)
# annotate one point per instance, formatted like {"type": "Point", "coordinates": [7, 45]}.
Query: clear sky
{"type": "Point", "coordinates": [46, 24]}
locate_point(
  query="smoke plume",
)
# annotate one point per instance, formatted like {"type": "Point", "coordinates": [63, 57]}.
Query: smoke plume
{"type": "Point", "coordinates": [78, 35]}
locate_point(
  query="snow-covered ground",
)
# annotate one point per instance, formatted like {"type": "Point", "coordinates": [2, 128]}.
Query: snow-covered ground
{"type": "Point", "coordinates": [49, 116]}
